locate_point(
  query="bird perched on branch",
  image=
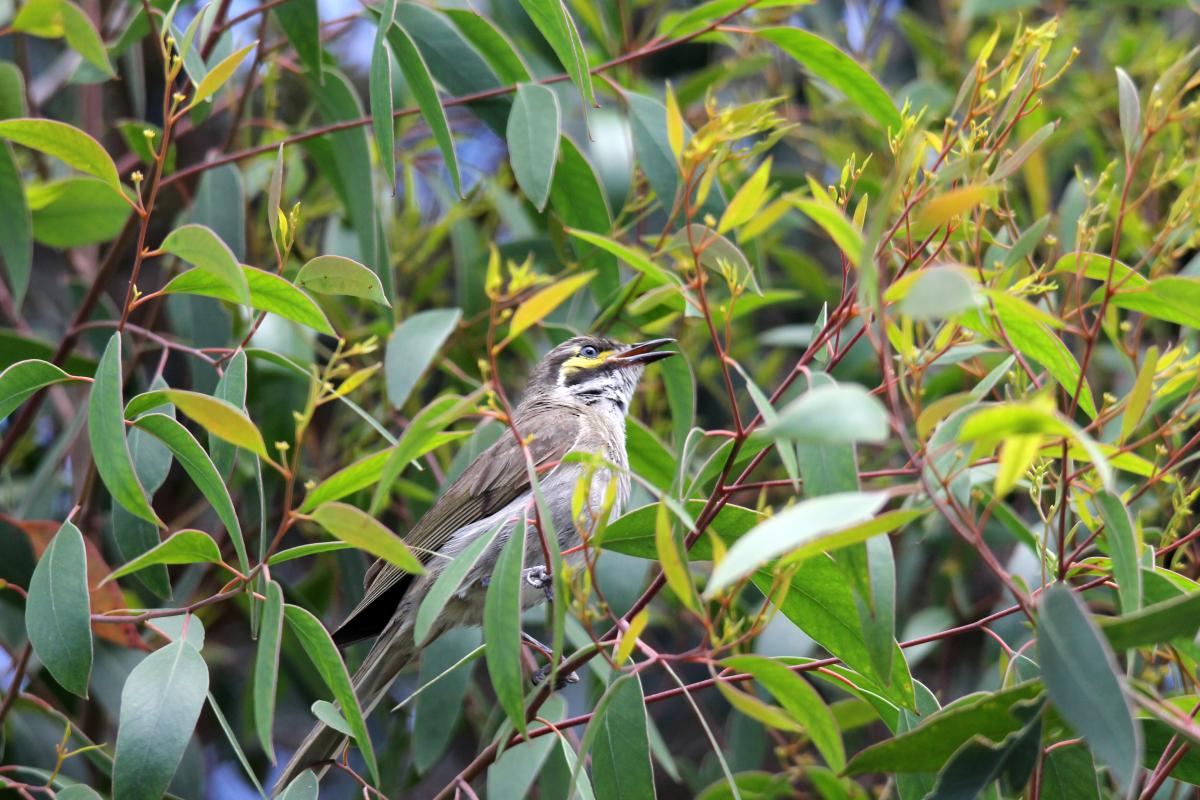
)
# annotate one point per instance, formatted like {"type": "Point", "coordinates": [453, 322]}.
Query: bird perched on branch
{"type": "Point", "coordinates": [575, 401]}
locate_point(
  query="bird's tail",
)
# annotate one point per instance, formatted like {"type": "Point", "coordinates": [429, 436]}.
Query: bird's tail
{"type": "Point", "coordinates": [391, 652]}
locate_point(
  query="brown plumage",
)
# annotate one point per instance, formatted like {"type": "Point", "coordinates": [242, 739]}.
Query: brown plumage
{"type": "Point", "coordinates": [575, 401]}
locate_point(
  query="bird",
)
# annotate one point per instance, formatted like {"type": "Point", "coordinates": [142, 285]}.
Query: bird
{"type": "Point", "coordinates": [575, 400]}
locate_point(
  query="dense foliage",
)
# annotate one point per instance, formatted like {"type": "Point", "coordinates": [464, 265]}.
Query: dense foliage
{"type": "Point", "coordinates": [912, 509]}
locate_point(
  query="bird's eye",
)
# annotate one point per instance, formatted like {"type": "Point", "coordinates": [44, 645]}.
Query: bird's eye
{"type": "Point", "coordinates": [587, 351]}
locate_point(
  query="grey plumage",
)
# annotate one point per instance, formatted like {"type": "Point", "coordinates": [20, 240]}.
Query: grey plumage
{"type": "Point", "coordinates": [575, 401]}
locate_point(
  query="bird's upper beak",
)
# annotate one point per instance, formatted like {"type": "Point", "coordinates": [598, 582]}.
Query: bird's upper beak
{"type": "Point", "coordinates": [643, 353]}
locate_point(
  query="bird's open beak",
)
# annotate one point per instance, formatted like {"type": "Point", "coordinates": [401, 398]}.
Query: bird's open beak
{"type": "Point", "coordinates": [643, 353]}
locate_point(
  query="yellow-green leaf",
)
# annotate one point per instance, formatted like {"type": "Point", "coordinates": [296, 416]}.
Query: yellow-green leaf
{"type": "Point", "coordinates": [1017, 453]}
{"type": "Point", "coordinates": [219, 74]}
{"type": "Point", "coordinates": [675, 126]}
{"type": "Point", "coordinates": [748, 200]}
{"type": "Point", "coordinates": [831, 219]}
{"type": "Point", "coordinates": [543, 302]}
{"type": "Point", "coordinates": [341, 276]}
{"type": "Point", "coordinates": [948, 205]}
{"type": "Point", "coordinates": [360, 529]}
{"type": "Point", "coordinates": [69, 145]}
{"type": "Point", "coordinates": [1139, 395]}
{"type": "Point", "coordinates": [674, 563]}
{"type": "Point", "coordinates": [220, 418]}
{"type": "Point", "coordinates": [201, 247]}
{"type": "Point", "coordinates": [630, 637]}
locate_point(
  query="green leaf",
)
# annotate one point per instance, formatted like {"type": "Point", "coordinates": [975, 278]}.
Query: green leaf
{"type": "Point", "coordinates": [341, 276]}
{"type": "Point", "coordinates": [420, 83]}
{"type": "Point", "coordinates": [301, 23]}
{"type": "Point", "coordinates": [502, 627]}
{"type": "Point", "coordinates": [848, 238]}
{"type": "Point", "coordinates": [1138, 399]}
{"type": "Point", "coordinates": [834, 413]}
{"type": "Point", "coordinates": [182, 547]}
{"type": "Point", "coordinates": [934, 293]}
{"type": "Point", "coordinates": [1174, 298]}
{"type": "Point", "coordinates": [324, 655]}
{"type": "Point", "coordinates": [555, 24]}
{"type": "Point", "coordinates": [366, 533]}
{"type": "Point", "coordinates": [55, 18]}
{"type": "Point", "coordinates": [201, 247]}
{"type": "Point", "coordinates": [800, 700]}
{"type": "Point", "coordinates": [633, 257]}
{"type": "Point", "coordinates": [16, 227]}
{"type": "Point", "coordinates": [78, 791]}
{"type": "Point", "coordinates": [805, 524]}
{"type": "Point", "coordinates": [305, 785]}
{"type": "Point", "coordinates": [106, 431]}
{"type": "Point", "coordinates": [621, 747]}
{"type": "Point", "coordinates": [533, 136]}
{"type": "Point", "coordinates": [232, 389]}
{"type": "Point", "coordinates": [58, 611]}
{"type": "Point", "coordinates": [412, 348]}
{"type": "Point", "coordinates": [648, 124]}
{"type": "Point", "coordinates": [821, 602]}
{"type": "Point", "coordinates": [513, 774]}
{"type": "Point", "coordinates": [979, 763]}
{"type": "Point", "coordinates": [268, 292]}
{"type": "Point", "coordinates": [310, 549]}
{"type": "Point", "coordinates": [76, 211]}
{"type": "Point", "coordinates": [328, 713]}
{"type": "Point", "coordinates": [200, 469]}
{"type": "Point", "coordinates": [448, 582]}
{"type": "Point", "coordinates": [634, 533]}
{"type": "Point", "coordinates": [491, 43]}
{"type": "Point", "coordinates": [1129, 107]}
{"type": "Point", "coordinates": [1084, 683]}
{"type": "Point", "coordinates": [1027, 329]}
{"type": "Point", "coordinates": [266, 667]}
{"type": "Point", "coordinates": [218, 75]}
{"type": "Point", "coordinates": [719, 255]}
{"type": "Point", "coordinates": [680, 385]}
{"type": "Point", "coordinates": [1097, 267]}
{"type": "Point", "coordinates": [1068, 773]}
{"type": "Point", "coordinates": [24, 379]}
{"type": "Point", "coordinates": [219, 417]}
{"type": "Point", "coordinates": [345, 159]}
{"type": "Point", "coordinates": [1176, 618]}
{"type": "Point", "coordinates": [927, 747]}
{"type": "Point", "coordinates": [673, 560]}
{"type": "Point", "coordinates": [1124, 545]}
{"type": "Point", "coordinates": [837, 69]}
{"type": "Point", "coordinates": [577, 196]}
{"type": "Point", "coordinates": [69, 145]}
{"type": "Point", "coordinates": [382, 107]}
{"type": "Point", "coordinates": [160, 705]}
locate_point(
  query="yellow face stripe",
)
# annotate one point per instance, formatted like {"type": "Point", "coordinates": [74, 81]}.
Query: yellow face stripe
{"type": "Point", "coordinates": [582, 362]}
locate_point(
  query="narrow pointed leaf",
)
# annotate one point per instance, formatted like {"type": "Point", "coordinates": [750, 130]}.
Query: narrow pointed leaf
{"type": "Point", "coordinates": [182, 547]}
{"type": "Point", "coordinates": [219, 74]}
{"type": "Point", "coordinates": [69, 145]}
{"type": "Point", "coordinates": [219, 417]}
{"type": "Point", "coordinates": [23, 379]}
{"type": "Point", "coordinates": [16, 226]}
{"type": "Point", "coordinates": [106, 431]}
{"type": "Point", "coordinates": [366, 533]}
{"type": "Point", "coordinates": [380, 85]}
{"type": "Point", "coordinates": [502, 627]}
{"type": "Point", "coordinates": [412, 348]}
{"type": "Point", "coordinates": [543, 302]}
{"type": "Point", "coordinates": [448, 582]}
{"type": "Point", "coordinates": [268, 292]}
{"type": "Point", "coordinates": [420, 83]}
{"type": "Point", "coordinates": [325, 657]}
{"type": "Point", "coordinates": [1084, 683]}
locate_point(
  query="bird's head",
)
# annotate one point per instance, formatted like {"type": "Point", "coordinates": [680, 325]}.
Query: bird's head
{"type": "Point", "coordinates": [594, 369]}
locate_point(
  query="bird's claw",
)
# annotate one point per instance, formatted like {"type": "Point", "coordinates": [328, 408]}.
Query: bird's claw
{"type": "Point", "coordinates": [540, 578]}
{"type": "Point", "coordinates": [561, 681]}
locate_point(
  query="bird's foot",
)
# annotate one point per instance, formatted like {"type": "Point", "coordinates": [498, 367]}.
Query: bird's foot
{"type": "Point", "coordinates": [561, 681]}
{"type": "Point", "coordinates": [540, 578]}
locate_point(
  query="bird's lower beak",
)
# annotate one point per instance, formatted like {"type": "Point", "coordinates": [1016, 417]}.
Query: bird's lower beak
{"type": "Point", "coordinates": [643, 353]}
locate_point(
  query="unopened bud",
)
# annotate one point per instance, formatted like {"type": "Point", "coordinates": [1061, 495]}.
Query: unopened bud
{"type": "Point", "coordinates": [137, 176]}
{"type": "Point", "coordinates": [149, 133]}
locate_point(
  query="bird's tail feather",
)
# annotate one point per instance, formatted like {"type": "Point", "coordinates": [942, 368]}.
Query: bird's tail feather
{"type": "Point", "coordinates": [392, 651]}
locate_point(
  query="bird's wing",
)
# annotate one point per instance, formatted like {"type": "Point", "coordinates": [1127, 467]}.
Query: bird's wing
{"type": "Point", "coordinates": [492, 481]}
